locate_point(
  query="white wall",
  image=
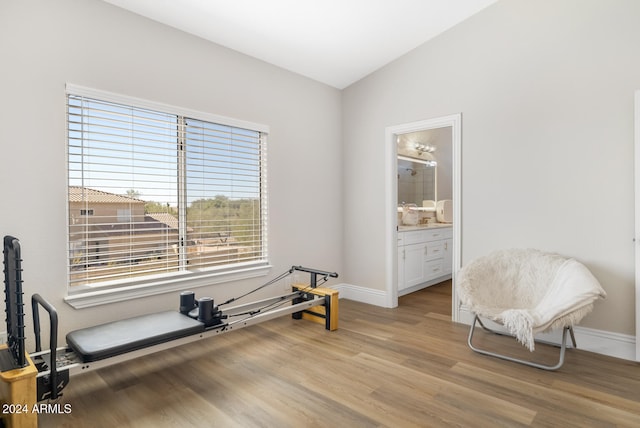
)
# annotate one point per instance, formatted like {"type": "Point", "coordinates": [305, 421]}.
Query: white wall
{"type": "Point", "coordinates": [44, 44]}
{"type": "Point", "coordinates": [545, 89]}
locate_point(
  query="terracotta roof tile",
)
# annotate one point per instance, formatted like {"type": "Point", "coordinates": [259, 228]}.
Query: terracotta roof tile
{"type": "Point", "coordinates": [81, 194]}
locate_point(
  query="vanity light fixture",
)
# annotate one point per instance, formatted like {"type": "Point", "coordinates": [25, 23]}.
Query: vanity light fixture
{"type": "Point", "coordinates": [427, 159]}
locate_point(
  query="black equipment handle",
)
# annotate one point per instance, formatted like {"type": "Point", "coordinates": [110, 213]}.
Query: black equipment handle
{"type": "Point", "coordinates": [14, 300]}
{"type": "Point", "coordinates": [314, 274]}
{"type": "Point", "coordinates": [53, 338]}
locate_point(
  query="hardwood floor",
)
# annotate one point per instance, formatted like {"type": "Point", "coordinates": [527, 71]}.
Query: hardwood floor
{"type": "Point", "coordinates": [403, 367]}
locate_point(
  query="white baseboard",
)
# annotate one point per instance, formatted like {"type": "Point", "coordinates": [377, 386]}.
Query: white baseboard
{"type": "Point", "coordinates": [601, 342]}
{"type": "Point", "coordinates": [606, 343]}
{"type": "Point", "coordinates": [362, 294]}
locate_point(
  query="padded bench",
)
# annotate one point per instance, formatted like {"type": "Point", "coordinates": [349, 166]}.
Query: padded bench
{"type": "Point", "coordinates": [119, 337]}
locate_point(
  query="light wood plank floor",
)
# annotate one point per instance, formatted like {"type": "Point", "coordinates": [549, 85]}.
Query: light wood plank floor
{"type": "Point", "coordinates": [403, 367]}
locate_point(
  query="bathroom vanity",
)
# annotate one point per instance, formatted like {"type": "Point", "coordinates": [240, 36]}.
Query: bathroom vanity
{"type": "Point", "coordinates": [425, 254]}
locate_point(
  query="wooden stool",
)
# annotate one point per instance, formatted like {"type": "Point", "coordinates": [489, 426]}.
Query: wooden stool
{"type": "Point", "coordinates": [18, 396]}
{"type": "Point", "coordinates": [326, 314]}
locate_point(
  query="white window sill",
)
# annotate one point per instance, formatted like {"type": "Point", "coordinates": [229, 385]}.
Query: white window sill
{"type": "Point", "coordinates": [96, 296]}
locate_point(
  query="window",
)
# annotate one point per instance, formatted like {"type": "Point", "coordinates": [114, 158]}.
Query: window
{"type": "Point", "coordinates": [172, 194]}
{"type": "Point", "coordinates": [124, 215]}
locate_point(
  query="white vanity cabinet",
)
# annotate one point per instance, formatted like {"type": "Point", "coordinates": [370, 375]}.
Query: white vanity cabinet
{"type": "Point", "coordinates": [447, 261]}
{"type": "Point", "coordinates": [424, 257]}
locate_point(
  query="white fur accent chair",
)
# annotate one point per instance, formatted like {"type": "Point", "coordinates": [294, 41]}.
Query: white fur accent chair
{"type": "Point", "coordinates": [528, 292]}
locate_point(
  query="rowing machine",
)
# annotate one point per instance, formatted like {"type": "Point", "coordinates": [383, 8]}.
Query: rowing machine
{"type": "Point", "coordinates": [114, 342]}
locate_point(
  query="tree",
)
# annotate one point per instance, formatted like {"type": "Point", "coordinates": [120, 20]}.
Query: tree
{"type": "Point", "coordinates": [151, 207]}
{"type": "Point", "coordinates": [132, 193]}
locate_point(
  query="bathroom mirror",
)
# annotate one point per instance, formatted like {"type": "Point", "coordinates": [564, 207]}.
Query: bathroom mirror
{"type": "Point", "coordinates": [424, 161]}
{"type": "Point", "coordinates": [416, 181]}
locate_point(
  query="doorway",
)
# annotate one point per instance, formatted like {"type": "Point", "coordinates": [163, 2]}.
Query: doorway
{"type": "Point", "coordinates": [391, 200]}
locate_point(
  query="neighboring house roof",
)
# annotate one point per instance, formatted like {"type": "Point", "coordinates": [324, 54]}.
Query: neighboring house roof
{"type": "Point", "coordinates": [85, 194]}
{"type": "Point", "coordinates": [150, 225]}
{"type": "Point", "coordinates": [165, 218]}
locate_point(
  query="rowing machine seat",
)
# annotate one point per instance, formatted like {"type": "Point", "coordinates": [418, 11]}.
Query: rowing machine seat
{"type": "Point", "coordinates": [119, 337]}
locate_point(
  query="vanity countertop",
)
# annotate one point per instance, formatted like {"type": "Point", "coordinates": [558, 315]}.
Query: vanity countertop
{"type": "Point", "coordinates": [423, 226]}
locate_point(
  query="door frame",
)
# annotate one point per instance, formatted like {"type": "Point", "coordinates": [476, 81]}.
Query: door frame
{"type": "Point", "coordinates": [636, 115]}
{"type": "Point", "coordinates": [391, 201]}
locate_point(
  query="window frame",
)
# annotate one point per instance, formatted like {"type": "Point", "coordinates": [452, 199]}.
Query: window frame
{"type": "Point", "coordinates": [88, 295]}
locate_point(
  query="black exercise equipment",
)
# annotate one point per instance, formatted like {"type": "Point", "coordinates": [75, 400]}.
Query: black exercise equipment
{"type": "Point", "coordinates": [116, 341]}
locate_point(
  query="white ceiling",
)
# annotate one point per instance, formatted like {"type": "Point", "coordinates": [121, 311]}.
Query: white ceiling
{"type": "Point", "coordinates": [336, 42]}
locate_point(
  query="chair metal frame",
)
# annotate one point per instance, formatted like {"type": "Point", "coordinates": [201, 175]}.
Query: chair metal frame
{"type": "Point", "coordinates": [562, 346]}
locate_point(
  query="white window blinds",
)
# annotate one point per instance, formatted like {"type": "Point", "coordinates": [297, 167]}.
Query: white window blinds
{"type": "Point", "coordinates": [154, 194]}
